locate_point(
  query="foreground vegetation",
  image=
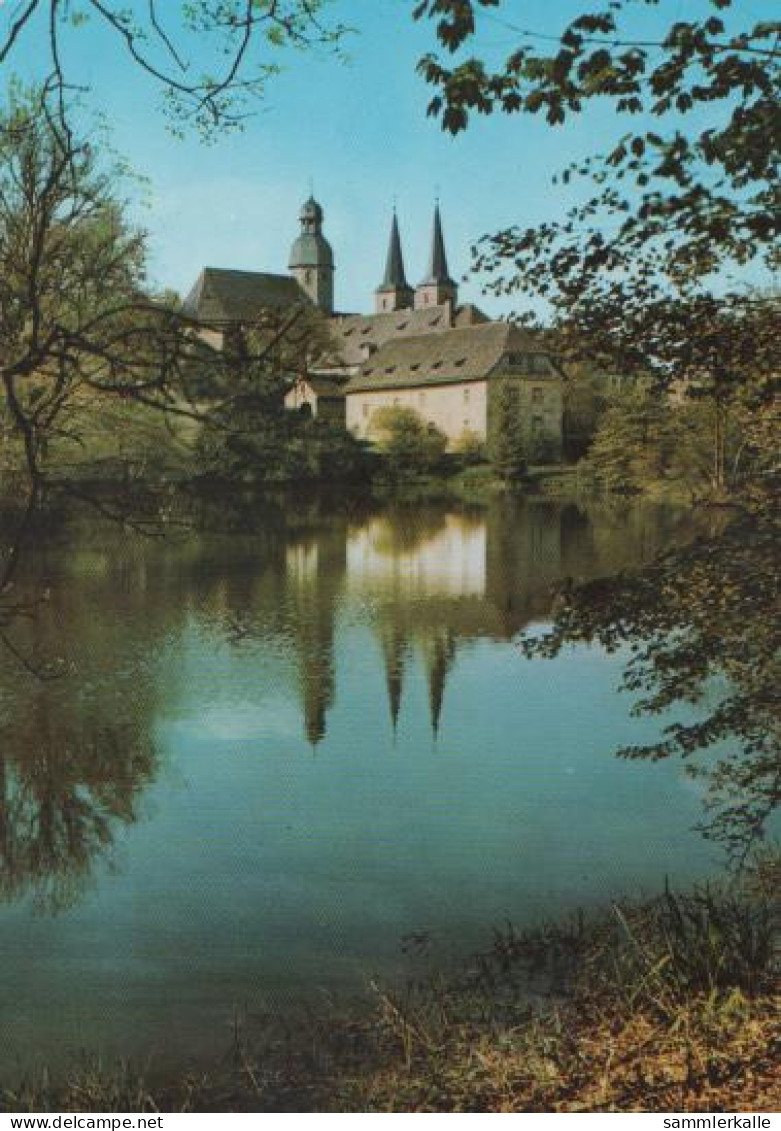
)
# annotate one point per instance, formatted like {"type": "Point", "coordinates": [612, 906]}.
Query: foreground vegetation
{"type": "Point", "coordinates": [666, 1005]}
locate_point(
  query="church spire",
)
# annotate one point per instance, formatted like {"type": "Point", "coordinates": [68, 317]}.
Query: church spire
{"type": "Point", "coordinates": [438, 272]}
{"type": "Point", "coordinates": [394, 264]}
{"type": "Point", "coordinates": [394, 293]}
{"type": "Point", "coordinates": [437, 288]}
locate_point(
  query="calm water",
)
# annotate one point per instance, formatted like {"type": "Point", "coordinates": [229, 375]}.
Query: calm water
{"type": "Point", "coordinates": [276, 752]}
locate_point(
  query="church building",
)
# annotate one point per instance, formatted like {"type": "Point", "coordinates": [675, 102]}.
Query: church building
{"type": "Point", "coordinates": [420, 348]}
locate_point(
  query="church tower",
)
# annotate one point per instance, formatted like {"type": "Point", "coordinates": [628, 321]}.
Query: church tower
{"type": "Point", "coordinates": [311, 258]}
{"type": "Point", "coordinates": [394, 292]}
{"type": "Point", "coordinates": [437, 287]}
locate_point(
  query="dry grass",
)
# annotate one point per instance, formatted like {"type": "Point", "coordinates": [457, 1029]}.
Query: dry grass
{"type": "Point", "coordinates": [669, 1005]}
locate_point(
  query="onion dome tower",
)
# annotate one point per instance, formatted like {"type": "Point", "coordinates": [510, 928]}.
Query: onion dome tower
{"type": "Point", "coordinates": [311, 258]}
{"type": "Point", "coordinates": [394, 292]}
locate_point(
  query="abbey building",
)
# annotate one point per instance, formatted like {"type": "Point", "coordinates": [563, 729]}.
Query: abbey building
{"type": "Point", "coordinates": [420, 348]}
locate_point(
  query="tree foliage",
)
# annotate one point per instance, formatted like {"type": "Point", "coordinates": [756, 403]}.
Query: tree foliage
{"type": "Point", "coordinates": [697, 170]}
{"type": "Point", "coordinates": [507, 447]}
{"type": "Point", "coordinates": [208, 58]}
{"type": "Point", "coordinates": [636, 277]}
{"type": "Point", "coordinates": [76, 323]}
{"type": "Point", "coordinates": [408, 444]}
{"type": "Point", "coordinates": [247, 433]}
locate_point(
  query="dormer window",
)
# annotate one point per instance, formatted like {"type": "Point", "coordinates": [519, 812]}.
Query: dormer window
{"type": "Point", "coordinates": [436, 365]}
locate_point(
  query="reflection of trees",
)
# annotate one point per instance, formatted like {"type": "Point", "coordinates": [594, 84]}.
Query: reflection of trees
{"type": "Point", "coordinates": [76, 751]}
{"type": "Point", "coordinates": [62, 794]}
{"type": "Point", "coordinates": [702, 624]}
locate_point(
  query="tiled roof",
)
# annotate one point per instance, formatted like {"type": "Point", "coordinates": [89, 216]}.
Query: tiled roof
{"type": "Point", "coordinates": [222, 295]}
{"type": "Point", "coordinates": [466, 354]}
{"type": "Point", "coordinates": [353, 332]}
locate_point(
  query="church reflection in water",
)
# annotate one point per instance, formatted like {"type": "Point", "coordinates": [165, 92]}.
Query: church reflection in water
{"type": "Point", "coordinates": [78, 753]}
{"type": "Point", "coordinates": [428, 580]}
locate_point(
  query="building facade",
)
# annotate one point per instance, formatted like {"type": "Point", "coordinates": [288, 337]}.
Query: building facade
{"type": "Point", "coordinates": [420, 349]}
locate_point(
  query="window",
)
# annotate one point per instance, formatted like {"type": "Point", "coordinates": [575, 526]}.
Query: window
{"type": "Point", "coordinates": [422, 398]}
{"type": "Point", "coordinates": [435, 321]}
{"type": "Point", "coordinates": [537, 424]}
{"type": "Point", "coordinates": [365, 409]}
{"type": "Point", "coordinates": [538, 395]}
{"type": "Point", "coordinates": [401, 325]}
{"type": "Point", "coordinates": [415, 366]}
{"type": "Point", "coordinates": [307, 276]}
{"type": "Point", "coordinates": [348, 332]}
{"type": "Point", "coordinates": [460, 362]}
{"type": "Point", "coordinates": [436, 365]}
{"type": "Point", "coordinates": [466, 395]}
{"type": "Point", "coordinates": [390, 368]}
{"type": "Point", "coordinates": [366, 330]}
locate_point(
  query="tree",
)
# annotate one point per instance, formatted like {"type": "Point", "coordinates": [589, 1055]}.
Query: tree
{"type": "Point", "coordinates": [73, 313]}
{"type": "Point", "coordinates": [209, 58]}
{"type": "Point", "coordinates": [247, 433]}
{"type": "Point", "coordinates": [77, 327]}
{"type": "Point", "coordinates": [702, 189]}
{"type": "Point", "coordinates": [630, 271]}
{"type": "Point", "coordinates": [635, 275]}
{"type": "Point", "coordinates": [507, 448]}
{"type": "Point", "coordinates": [406, 441]}
{"type": "Point", "coordinates": [634, 442]}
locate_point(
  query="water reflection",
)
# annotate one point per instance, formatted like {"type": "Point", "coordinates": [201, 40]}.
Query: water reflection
{"type": "Point", "coordinates": [426, 581]}
{"type": "Point", "coordinates": [275, 750]}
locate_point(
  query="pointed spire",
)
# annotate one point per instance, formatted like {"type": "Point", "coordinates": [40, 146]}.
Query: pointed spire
{"type": "Point", "coordinates": [394, 648]}
{"type": "Point", "coordinates": [394, 264]}
{"type": "Point", "coordinates": [438, 269]}
{"type": "Point", "coordinates": [439, 661]}
{"type": "Point", "coordinates": [394, 292]}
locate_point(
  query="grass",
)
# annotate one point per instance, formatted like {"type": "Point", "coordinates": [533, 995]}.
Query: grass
{"type": "Point", "coordinates": [671, 1004]}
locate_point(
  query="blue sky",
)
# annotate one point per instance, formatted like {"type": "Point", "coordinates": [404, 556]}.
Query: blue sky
{"type": "Point", "coordinates": [359, 130]}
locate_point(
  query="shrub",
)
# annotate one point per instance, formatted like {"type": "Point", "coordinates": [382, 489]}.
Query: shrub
{"type": "Point", "coordinates": [470, 449]}
{"type": "Point", "coordinates": [406, 441]}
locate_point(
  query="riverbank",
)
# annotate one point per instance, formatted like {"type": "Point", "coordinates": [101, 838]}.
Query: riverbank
{"type": "Point", "coordinates": [667, 1005]}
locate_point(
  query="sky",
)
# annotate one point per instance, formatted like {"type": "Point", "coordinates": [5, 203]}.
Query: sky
{"type": "Point", "coordinates": [357, 131]}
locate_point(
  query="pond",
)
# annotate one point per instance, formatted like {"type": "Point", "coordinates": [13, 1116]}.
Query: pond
{"type": "Point", "coordinates": [283, 759]}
